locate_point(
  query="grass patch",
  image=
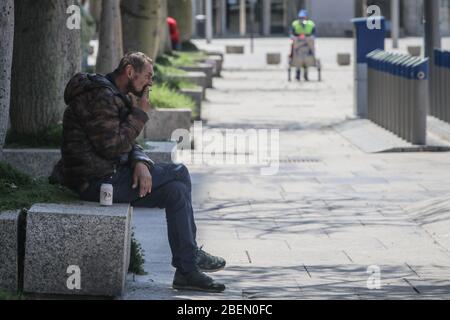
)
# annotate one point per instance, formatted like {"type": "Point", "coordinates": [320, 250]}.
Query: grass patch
{"type": "Point", "coordinates": [171, 70]}
{"type": "Point", "coordinates": [137, 258]}
{"type": "Point", "coordinates": [187, 85]}
{"type": "Point", "coordinates": [167, 66]}
{"type": "Point", "coordinates": [48, 138]}
{"type": "Point", "coordinates": [20, 191]}
{"type": "Point", "coordinates": [163, 96]}
{"type": "Point", "coordinates": [180, 59]}
{"type": "Point", "coordinates": [9, 296]}
{"type": "Point", "coordinates": [164, 75]}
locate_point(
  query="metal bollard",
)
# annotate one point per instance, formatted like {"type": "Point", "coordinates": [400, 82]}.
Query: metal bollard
{"type": "Point", "coordinates": [389, 80]}
{"type": "Point", "coordinates": [420, 78]}
{"type": "Point", "coordinates": [444, 85]}
{"type": "Point", "coordinates": [403, 98]}
{"type": "Point", "coordinates": [396, 101]}
{"type": "Point", "coordinates": [410, 98]}
{"type": "Point", "coordinates": [398, 93]}
{"type": "Point", "coordinates": [435, 99]}
{"type": "Point", "coordinates": [378, 87]}
{"type": "Point", "coordinates": [440, 95]}
{"type": "Point", "coordinates": [440, 110]}
{"type": "Point", "coordinates": [370, 84]}
{"type": "Point", "coordinates": [407, 97]}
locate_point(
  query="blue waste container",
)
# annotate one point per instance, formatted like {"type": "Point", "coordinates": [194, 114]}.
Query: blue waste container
{"type": "Point", "coordinates": [367, 39]}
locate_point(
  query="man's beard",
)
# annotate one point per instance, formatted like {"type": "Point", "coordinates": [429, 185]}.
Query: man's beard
{"type": "Point", "coordinates": [132, 89]}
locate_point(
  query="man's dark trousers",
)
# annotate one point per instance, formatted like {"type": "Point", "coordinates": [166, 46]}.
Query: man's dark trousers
{"type": "Point", "coordinates": [171, 190]}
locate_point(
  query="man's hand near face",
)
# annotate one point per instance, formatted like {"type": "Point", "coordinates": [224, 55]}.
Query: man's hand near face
{"type": "Point", "coordinates": [144, 102]}
{"type": "Point", "coordinates": [142, 178]}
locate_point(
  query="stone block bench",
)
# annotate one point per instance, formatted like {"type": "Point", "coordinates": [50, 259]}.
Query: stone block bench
{"type": "Point", "coordinates": [273, 58]}
{"type": "Point", "coordinates": [214, 53]}
{"type": "Point", "coordinates": [217, 63]}
{"type": "Point", "coordinates": [197, 78]}
{"type": "Point", "coordinates": [163, 123]}
{"type": "Point", "coordinates": [161, 151]}
{"type": "Point", "coordinates": [206, 68]}
{"type": "Point", "coordinates": [10, 222]}
{"type": "Point", "coordinates": [196, 95]}
{"type": "Point", "coordinates": [343, 59]}
{"type": "Point", "coordinates": [39, 163]}
{"type": "Point", "coordinates": [78, 249]}
{"type": "Point", "coordinates": [234, 49]}
{"type": "Point", "coordinates": [415, 51]}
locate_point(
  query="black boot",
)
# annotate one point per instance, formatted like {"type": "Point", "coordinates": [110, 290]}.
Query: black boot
{"type": "Point", "coordinates": [209, 263]}
{"type": "Point", "coordinates": [306, 75]}
{"type": "Point", "coordinates": [196, 281]}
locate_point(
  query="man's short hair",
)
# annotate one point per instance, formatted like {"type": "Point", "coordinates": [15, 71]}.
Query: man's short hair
{"type": "Point", "coordinates": [136, 59]}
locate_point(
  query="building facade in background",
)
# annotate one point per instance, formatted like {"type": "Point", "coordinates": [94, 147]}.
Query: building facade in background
{"type": "Point", "coordinates": [233, 18]}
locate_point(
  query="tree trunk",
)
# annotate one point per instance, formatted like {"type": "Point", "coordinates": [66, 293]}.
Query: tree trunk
{"type": "Point", "coordinates": [181, 10]}
{"type": "Point", "coordinates": [46, 55]}
{"type": "Point", "coordinates": [95, 7]}
{"type": "Point", "coordinates": [165, 44]}
{"type": "Point", "coordinates": [141, 26]}
{"type": "Point", "coordinates": [6, 51]}
{"type": "Point", "coordinates": [110, 41]}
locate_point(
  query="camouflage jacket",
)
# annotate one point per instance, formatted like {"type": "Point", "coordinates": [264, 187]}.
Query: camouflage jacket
{"type": "Point", "coordinates": [99, 130]}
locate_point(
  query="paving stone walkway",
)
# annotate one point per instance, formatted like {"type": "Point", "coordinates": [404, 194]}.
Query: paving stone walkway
{"type": "Point", "coordinates": [332, 214]}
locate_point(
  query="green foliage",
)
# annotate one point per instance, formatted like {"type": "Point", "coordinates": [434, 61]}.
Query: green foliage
{"type": "Point", "coordinates": [137, 257]}
{"type": "Point", "coordinates": [187, 85]}
{"type": "Point", "coordinates": [162, 96]}
{"type": "Point", "coordinates": [180, 59]}
{"type": "Point", "coordinates": [10, 175]}
{"type": "Point", "coordinates": [171, 70]}
{"type": "Point", "coordinates": [163, 60]}
{"type": "Point", "coordinates": [167, 66]}
{"type": "Point", "coordinates": [163, 75]}
{"type": "Point", "coordinates": [19, 191]}
{"type": "Point", "coordinates": [9, 296]}
{"type": "Point", "coordinates": [48, 138]}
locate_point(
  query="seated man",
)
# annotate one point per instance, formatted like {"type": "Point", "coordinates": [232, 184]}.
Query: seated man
{"type": "Point", "coordinates": [105, 115]}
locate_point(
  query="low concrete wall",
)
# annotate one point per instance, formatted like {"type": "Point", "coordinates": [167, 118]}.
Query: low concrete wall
{"type": "Point", "coordinates": [217, 63]}
{"type": "Point", "coordinates": [215, 53]}
{"type": "Point", "coordinates": [34, 162]}
{"type": "Point", "coordinates": [163, 122]}
{"type": "Point", "coordinates": [415, 51]}
{"type": "Point", "coordinates": [234, 49]}
{"type": "Point", "coordinates": [161, 151]}
{"type": "Point", "coordinates": [196, 95]}
{"type": "Point", "coordinates": [273, 58]}
{"type": "Point", "coordinates": [39, 163]}
{"type": "Point", "coordinates": [197, 78]}
{"type": "Point", "coordinates": [343, 59]}
{"type": "Point", "coordinates": [207, 69]}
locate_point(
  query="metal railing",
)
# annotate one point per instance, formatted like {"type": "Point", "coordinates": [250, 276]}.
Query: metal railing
{"type": "Point", "coordinates": [440, 85]}
{"type": "Point", "coordinates": [398, 94]}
